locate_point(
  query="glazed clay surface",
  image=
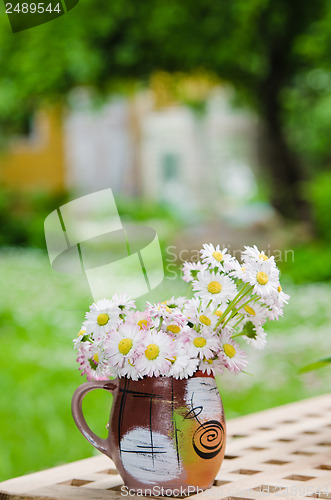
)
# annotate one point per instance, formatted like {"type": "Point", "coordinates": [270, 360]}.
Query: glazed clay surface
{"type": "Point", "coordinates": [162, 431]}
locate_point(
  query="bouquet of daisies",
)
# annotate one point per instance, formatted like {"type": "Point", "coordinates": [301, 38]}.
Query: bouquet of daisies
{"type": "Point", "coordinates": [230, 302]}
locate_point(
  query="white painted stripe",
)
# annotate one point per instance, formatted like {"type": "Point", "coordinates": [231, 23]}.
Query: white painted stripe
{"type": "Point", "coordinates": [143, 464]}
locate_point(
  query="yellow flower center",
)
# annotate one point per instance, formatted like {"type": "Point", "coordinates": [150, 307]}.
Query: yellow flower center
{"type": "Point", "coordinates": [205, 320]}
{"type": "Point", "coordinates": [199, 342]}
{"type": "Point", "coordinates": [250, 310]}
{"type": "Point", "coordinates": [218, 256]}
{"type": "Point", "coordinates": [163, 305]}
{"type": "Point", "coordinates": [214, 287]}
{"type": "Point", "coordinates": [229, 350]}
{"type": "Point", "coordinates": [243, 269]}
{"type": "Point", "coordinates": [102, 319]}
{"type": "Point", "coordinates": [279, 289]}
{"type": "Point", "coordinates": [142, 322]}
{"type": "Point", "coordinates": [218, 313]}
{"type": "Point", "coordinates": [263, 257]}
{"type": "Point", "coordinates": [124, 346]}
{"type": "Point", "coordinates": [173, 328]}
{"type": "Point", "coordinates": [262, 278]}
{"type": "Point", "coordinates": [210, 361]}
{"type": "Point", "coordinates": [81, 333]}
{"type": "Point", "coordinates": [95, 357]}
{"type": "Point", "coordinates": [152, 351]}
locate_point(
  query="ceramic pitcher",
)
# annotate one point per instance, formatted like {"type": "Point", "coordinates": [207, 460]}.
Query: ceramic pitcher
{"type": "Point", "coordinates": [162, 432]}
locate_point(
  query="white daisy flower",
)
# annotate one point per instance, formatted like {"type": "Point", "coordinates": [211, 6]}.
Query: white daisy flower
{"type": "Point", "coordinates": [182, 366]}
{"type": "Point", "coordinates": [122, 344]}
{"type": "Point", "coordinates": [79, 339]}
{"type": "Point", "coordinates": [154, 354]}
{"type": "Point", "coordinates": [166, 313]}
{"type": "Point", "coordinates": [83, 359]}
{"type": "Point", "coordinates": [264, 276]}
{"type": "Point", "coordinates": [282, 297]}
{"type": "Point", "coordinates": [207, 317]}
{"type": "Point", "coordinates": [276, 302]}
{"type": "Point", "coordinates": [176, 330]}
{"type": "Point", "coordinates": [278, 298]}
{"type": "Point", "coordinates": [174, 315]}
{"type": "Point", "coordinates": [203, 344]}
{"type": "Point", "coordinates": [239, 271]}
{"type": "Point", "coordinates": [129, 370]}
{"type": "Point", "coordinates": [254, 311]}
{"type": "Point", "coordinates": [254, 335]}
{"type": "Point", "coordinates": [235, 359]}
{"type": "Point", "coordinates": [216, 257]}
{"type": "Point", "coordinates": [212, 366]}
{"type": "Point", "coordinates": [142, 319]}
{"type": "Point", "coordinates": [180, 342]}
{"type": "Point", "coordinates": [101, 319]}
{"type": "Point", "coordinates": [274, 311]}
{"type": "Point", "coordinates": [191, 270]}
{"type": "Point", "coordinates": [92, 361]}
{"type": "Point", "coordinates": [255, 254]}
{"type": "Point", "coordinates": [124, 302]}
{"type": "Point", "coordinates": [199, 314]}
{"type": "Point", "coordinates": [176, 302]}
{"type": "Point", "coordinates": [191, 308]}
{"type": "Point", "coordinates": [215, 287]}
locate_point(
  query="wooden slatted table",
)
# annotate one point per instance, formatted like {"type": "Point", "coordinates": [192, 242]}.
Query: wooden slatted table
{"type": "Point", "coordinates": [284, 452]}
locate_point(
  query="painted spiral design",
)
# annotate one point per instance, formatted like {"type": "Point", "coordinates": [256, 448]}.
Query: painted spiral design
{"type": "Point", "coordinates": [208, 439]}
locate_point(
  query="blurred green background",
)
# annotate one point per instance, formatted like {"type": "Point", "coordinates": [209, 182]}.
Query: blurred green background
{"type": "Point", "coordinates": [211, 123]}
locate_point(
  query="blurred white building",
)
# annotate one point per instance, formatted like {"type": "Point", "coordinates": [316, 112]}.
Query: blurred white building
{"type": "Point", "coordinates": [200, 163]}
{"type": "Point", "coordinates": [194, 162]}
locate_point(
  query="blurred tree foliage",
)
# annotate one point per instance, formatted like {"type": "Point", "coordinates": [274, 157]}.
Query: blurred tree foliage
{"type": "Point", "coordinates": [22, 217]}
{"type": "Point", "coordinates": [320, 194]}
{"type": "Point", "coordinates": [276, 53]}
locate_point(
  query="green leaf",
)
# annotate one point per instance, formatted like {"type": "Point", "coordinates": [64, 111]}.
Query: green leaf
{"type": "Point", "coordinates": [314, 366]}
{"type": "Point", "coordinates": [93, 364]}
{"type": "Point", "coordinates": [249, 330]}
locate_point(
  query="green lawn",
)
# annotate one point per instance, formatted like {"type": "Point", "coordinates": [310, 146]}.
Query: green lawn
{"type": "Point", "coordinates": [42, 310]}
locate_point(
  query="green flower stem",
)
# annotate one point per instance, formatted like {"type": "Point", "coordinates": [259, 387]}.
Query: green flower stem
{"type": "Point", "coordinates": [242, 293]}
{"type": "Point", "coordinates": [253, 299]}
{"type": "Point", "coordinates": [232, 315]}
{"type": "Point", "coordinates": [237, 335]}
{"type": "Point", "coordinates": [228, 309]}
{"type": "Point", "coordinates": [238, 322]}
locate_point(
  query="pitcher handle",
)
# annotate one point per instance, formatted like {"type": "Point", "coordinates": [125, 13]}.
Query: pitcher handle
{"type": "Point", "coordinates": [77, 411]}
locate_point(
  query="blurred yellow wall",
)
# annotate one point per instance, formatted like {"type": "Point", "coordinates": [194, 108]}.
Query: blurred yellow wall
{"type": "Point", "coordinates": [36, 162]}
